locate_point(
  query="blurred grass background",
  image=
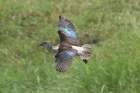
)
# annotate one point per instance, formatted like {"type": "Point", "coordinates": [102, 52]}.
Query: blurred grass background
{"type": "Point", "coordinates": [112, 27]}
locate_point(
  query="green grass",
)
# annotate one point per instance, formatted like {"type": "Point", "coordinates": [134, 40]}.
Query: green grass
{"type": "Point", "coordinates": [111, 26]}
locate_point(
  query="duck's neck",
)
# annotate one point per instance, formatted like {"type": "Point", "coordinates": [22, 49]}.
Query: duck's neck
{"type": "Point", "coordinates": [55, 48]}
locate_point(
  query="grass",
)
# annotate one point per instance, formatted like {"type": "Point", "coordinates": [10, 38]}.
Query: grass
{"type": "Point", "coordinates": [110, 26]}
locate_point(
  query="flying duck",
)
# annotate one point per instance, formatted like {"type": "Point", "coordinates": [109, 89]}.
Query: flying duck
{"type": "Point", "coordinates": [67, 48]}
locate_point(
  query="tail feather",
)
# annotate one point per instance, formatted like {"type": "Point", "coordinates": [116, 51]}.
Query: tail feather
{"type": "Point", "coordinates": [87, 53]}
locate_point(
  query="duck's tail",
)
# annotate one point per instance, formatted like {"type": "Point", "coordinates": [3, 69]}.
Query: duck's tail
{"type": "Point", "coordinates": [86, 53]}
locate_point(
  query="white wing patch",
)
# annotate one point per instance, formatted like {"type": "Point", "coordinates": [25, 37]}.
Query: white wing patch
{"type": "Point", "coordinates": [79, 49]}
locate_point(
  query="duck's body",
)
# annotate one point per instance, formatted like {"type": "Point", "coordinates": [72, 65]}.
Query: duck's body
{"type": "Point", "coordinates": [68, 48]}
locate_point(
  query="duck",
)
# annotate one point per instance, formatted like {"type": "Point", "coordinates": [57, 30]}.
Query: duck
{"type": "Point", "coordinates": [68, 46]}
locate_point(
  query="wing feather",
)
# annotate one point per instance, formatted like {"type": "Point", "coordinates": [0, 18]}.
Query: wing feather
{"type": "Point", "coordinates": [62, 64]}
{"type": "Point", "coordinates": [64, 60]}
{"type": "Point", "coordinates": [66, 31]}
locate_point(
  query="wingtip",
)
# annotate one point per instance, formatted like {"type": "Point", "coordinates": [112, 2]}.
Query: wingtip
{"type": "Point", "coordinates": [60, 71]}
{"type": "Point", "coordinates": [60, 17]}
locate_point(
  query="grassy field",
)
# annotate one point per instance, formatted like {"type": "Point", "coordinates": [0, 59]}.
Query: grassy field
{"type": "Point", "coordinates": [112, 27]}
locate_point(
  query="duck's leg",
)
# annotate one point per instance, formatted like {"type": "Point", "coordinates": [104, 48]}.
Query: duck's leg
{"type": "Point", "coordinates": [55, 48]}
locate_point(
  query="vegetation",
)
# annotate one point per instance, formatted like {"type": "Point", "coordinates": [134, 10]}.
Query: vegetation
{"type": "Point", "coordinates": [112, 27]}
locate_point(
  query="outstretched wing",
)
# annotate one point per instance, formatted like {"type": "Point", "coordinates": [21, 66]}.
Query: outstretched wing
{"type": "Point", "coordinates": [64, 60]}
{"type": "Point", "coordinates": [67, 32]}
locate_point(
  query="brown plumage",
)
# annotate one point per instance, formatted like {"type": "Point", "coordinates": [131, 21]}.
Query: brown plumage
{"type": "Point", "coordinates": [63, 63]}
{"type": "Point", "coordinates": [68, 48]}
